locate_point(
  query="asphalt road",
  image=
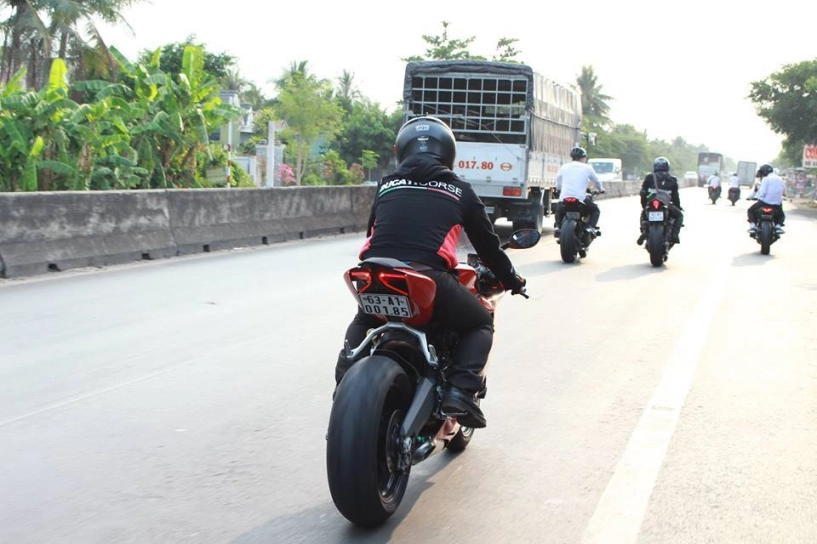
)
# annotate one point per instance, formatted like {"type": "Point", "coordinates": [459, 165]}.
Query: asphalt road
{"type": "Point", "coordinates": [186, 400]}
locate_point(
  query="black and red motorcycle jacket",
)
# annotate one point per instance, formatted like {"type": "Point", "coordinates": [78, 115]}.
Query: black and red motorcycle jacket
{"type": "Point", "coordinates": [666, 183]}
{"type": "Point", "coordinates": [418, 214]}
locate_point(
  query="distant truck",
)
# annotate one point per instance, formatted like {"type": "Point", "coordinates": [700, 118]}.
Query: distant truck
{"type": "Point", "coordinates": [746, 172]}
{"type": "Point", "coordinates": [606, 169]}
{"type": "Point", "coordinates": [514, 129]}
{"type": "Point", "coordinates": [708, 163]}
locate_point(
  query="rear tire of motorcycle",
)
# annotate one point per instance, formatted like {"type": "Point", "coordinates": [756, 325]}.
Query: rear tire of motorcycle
{"type": "Point", "coordinates": [361, 446]}
{"type": "Point", "coordinates": [765, 237]}
{"type": "Point", "coordinates": [567, 241]}
{"type": "Point", "coordinates": [460, 440]}
{"type": "Point", "coordinates": [655, 244]}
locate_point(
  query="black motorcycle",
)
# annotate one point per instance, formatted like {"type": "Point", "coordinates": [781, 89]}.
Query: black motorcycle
{"type": "Point", "coordinates": [656, 229]}
{"type": "Point", "coordinates": [734, 194]}
{"type": "Point", "coordinates": [574, 240]}
{"type": "Point", "coordinates": [766, 233]}
{"type": "Point", "coordinates": [714, 193]}
{"type": "Point", "coordinates": [387, 413]}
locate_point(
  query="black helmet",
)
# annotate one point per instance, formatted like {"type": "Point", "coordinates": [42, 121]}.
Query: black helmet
{"type": "Point", "coordinates": [764, 170]}
{"type": "Point", "coordinates": [426, 135]}
{"type": "Point", "coordinates": [578, 153]}
{"type": "Point", "coordinates": [661, 164]}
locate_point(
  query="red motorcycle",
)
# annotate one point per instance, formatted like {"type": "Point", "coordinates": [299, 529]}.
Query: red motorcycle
{"type": "Point", "coordinates": [387, 415]}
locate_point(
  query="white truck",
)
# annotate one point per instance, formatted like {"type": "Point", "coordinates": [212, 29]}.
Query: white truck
{"type": "Point", "coordinates": [746, 172]}
{"type": "Point", "coordinates": [607, 169]}
{"type": "Point", "coordinates": [514, 129]}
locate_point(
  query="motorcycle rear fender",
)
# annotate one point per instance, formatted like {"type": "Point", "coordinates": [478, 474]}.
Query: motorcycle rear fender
{"type": "Point", "coordinates": [573, 215]}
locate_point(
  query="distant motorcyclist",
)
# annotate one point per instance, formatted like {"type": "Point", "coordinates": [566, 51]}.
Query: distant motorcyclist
{"type": "Point", "coordinates": [734, 188]}
{"type": "Point", "coordinates": [572, 182]}
{"type": "Point", "coordinates": [734, 181]}
{"type": "Point", "coordinates": [665, 186]}
{"type": "Point", "coordinates": [714, 184]}
{"type": "Point", "coordinates": [771, 192]}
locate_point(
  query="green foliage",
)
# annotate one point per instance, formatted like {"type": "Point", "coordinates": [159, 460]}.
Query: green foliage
{"type": "Point", "coordinates": [216, 65]}
{"type": "Point", "coordinates": [306, 104]}
{"type": "Point", "coordinates": [595, 107]}
{"type": "Point", "coordinates": [367, 127]}
{"type": "Point", "coordinates": [787, 100]}
{"type": "Point", "coordinates": [143, 132]}
{"type": "Point", "coordinates": [333, 169]}
{"type": "Point", "coordinates": [443, 47]}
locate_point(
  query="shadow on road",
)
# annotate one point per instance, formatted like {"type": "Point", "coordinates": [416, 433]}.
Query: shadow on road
{"type": "Point", "coordinates": [752, 259]}
{"type": "Point", "coordinates": [323, 523]}
{"type": "Point", "coordinates": [630, 272]}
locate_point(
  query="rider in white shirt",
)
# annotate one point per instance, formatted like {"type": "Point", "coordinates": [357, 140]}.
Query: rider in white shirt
{"type": "Point", "coordinates": [734, 181]}
{"type": "Point", "coordinates": [714, 184]}
{"type": "Point", "coordinates": [572, 181]}
{"type": "Point", "coordinates": [771, 193]}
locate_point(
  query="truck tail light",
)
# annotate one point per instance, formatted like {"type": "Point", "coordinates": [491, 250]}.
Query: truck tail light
{"type": "Point", "coordinates": [512, 191]}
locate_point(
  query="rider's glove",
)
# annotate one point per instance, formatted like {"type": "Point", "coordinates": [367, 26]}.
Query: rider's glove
{"type": "Point", "coordinates": [518, 286]}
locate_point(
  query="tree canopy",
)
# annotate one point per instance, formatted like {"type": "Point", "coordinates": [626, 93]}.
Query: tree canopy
{"type": "Point", "coordinates": [787, 101]}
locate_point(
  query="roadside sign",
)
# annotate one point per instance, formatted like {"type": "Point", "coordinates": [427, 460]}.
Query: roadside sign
{"type": "Point", "coordinates": [810, 156]}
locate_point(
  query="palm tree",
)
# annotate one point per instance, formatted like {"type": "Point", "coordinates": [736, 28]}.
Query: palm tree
{"type": "Point", "coordinates": [347, 91]}
{"type": "Point", "coordinates": [594, 102]}
{"type": "Point", "coordinates": [34, 25]}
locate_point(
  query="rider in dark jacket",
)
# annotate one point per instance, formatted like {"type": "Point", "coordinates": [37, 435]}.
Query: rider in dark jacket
{"type": "Point", "coordinates": [417, 217]}
{"type": "Point", "coordinates": [666, 186]}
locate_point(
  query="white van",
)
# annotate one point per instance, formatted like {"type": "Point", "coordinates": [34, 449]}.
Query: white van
{"type": "Point", "coordinates": [606, 169]}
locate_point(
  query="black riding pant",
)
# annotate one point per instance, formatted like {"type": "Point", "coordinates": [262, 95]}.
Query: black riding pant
{"type": "Point", "coordinates": [456, 309]}
{"type": "Point", "coordinates": [753, 212]}
{"type": "Point", "coordinates": [591, 209]}
{"type": "Point", "coordinates": [674, 212]}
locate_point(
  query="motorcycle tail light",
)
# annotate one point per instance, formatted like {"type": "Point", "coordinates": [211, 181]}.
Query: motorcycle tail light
{"type": "Point", "coordinates": [362, 279]}
{"type": "Point", "coordinates": [395, 282]}
{"type": "Point", "coordinates": [767, 210]}
{"type": "Point", "coordinates": [656, 204]}
{"type": "Point", "coordinates": [571, 199]}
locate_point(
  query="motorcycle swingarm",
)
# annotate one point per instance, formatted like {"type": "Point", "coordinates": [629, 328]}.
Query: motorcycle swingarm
{"type": "Point", "coordinates": [421, 408]}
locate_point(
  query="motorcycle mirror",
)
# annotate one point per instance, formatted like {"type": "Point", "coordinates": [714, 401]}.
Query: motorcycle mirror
{"type": "Point", "coordinates": [523, 239]}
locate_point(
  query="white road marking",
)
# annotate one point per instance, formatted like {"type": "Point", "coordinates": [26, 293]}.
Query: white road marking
{"type": "Point", "coordinates": [620, 511]}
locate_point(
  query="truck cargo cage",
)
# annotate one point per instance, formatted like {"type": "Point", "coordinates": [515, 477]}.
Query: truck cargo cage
{"type": "Point", "coordinates": [476, 107]}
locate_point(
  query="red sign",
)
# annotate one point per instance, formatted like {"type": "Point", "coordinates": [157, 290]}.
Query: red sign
{"type": "Point", "coordinates": [810, 156]}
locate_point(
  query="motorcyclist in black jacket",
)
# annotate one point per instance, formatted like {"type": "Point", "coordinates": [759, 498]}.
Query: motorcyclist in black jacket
{"type": "Point", "coordinates": [416, 217]}
{"type": "Point", "coordinates": [666, 186]}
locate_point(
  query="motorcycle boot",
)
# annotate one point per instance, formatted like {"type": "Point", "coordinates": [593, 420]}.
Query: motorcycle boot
{"type": "Point", "coordinates": [464, 406]}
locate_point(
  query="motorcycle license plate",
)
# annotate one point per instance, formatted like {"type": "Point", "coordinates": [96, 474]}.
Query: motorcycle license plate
{"type": "Point", "coordinates": [388, 305]}
{"type": "Point", "coordinates": [573, 215]}
{"type": "Point", "coordinates": [655, 216]}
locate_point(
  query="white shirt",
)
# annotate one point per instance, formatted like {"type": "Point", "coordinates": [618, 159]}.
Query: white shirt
{"type": "Point", "coordinates": [772, 189]}
{"type": "Point", "coordinates": [734, 181]}
{"type": "Point", "coordinates": [714, 181]}
{"type": "Point", "coordinates": [572, 180]}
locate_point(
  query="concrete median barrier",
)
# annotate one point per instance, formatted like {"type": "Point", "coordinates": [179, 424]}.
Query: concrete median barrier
{"type": "Point", "coordinates": [42, 232]}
